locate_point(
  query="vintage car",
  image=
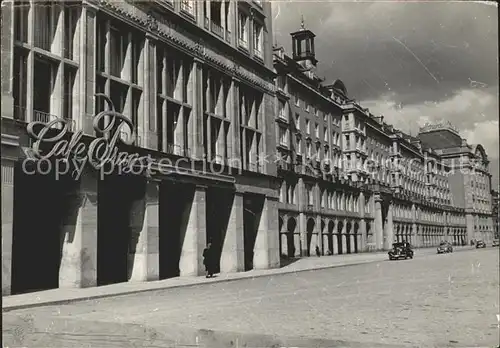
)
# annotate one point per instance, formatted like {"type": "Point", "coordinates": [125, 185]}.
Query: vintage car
{"type": "Point", "coordinates": [400, 251]}
{"type": "Point", "coordinates": [444, 247]}
{"type": "Point", "coordinates": [480, 244]}
{"type": "Point", "coordinates": [495, 243]}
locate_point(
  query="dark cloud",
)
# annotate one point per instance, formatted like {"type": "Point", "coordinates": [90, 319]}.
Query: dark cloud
{"type": "Point", "coordinates": [376, 48]}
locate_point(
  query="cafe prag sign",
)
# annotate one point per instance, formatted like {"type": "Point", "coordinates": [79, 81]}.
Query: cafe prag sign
{"type": "Point", "coordinates": [100, 152]}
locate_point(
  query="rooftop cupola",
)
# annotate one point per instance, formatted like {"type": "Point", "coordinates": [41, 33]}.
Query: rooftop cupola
{"type": "Point", "coordinates": [303, 47]}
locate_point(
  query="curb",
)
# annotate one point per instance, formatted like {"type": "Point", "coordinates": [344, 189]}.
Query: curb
{"type": "Point", "coordinates": [167, 287]}
{"type": "Point", "coordinates": [176, 286]}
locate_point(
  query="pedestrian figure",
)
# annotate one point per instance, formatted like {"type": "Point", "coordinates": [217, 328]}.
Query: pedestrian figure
{"type": "Point", "coordinates": [318, 253]}
{"type": "Point", "coordinates": [208, 261]}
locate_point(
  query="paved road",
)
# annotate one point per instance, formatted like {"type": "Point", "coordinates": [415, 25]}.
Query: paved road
{"type": "Point", "coordinates": [430, 301]}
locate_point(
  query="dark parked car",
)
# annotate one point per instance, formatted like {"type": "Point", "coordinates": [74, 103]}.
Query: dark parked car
{"type": "Point", "coordinates": [495, 243]}
{"type": "Point", "coordinates": [480, 244]}
{"type": "Point", "coordinates": [444, 247]}
{"type": "Point", "coordinates": [400, 251]}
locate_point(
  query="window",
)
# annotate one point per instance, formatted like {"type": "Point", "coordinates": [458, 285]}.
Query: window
{"type": "Point", "coordinates": [308, 126]}
{"type": "Point", "coordinates": [242, 30]}
{"type": "Point", "coordinates": [310, 195]}
{"type": "Point", "coordinates": [118, 51]}
{"type": "Point", "coordinates": [257, 39]}
{"type": "Point", "coordinates": [316, 130]}
{"type": "Point", "coordinates": [297, 120]}
{"type": "Point", "coordinates": [282, 109]}
{"type": "Point", "coordinates": [309, 150]}
{"type": "Point", "coordinates": [307, 106]}
{"type": "Point", "coordinates": [46, 15]}
{"type": "Point", "coordinates": [325, 134]}
{"type": "Point", "coordinates": [298, 149]}
{"type": "Point", "coordinates": [283, 136]}
{"type": "Point", "coordinates": [296, 98]}
{"type": "Point", "coordinates": [21, 11]}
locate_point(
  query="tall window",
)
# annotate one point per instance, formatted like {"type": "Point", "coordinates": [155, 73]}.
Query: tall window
{"type": "Point", "coordinates": [48, 98]}
{"type": "Point", "coordinates": [250, 109]}
{"type": "Point", "coordinates": [308, 126]}
{"type": "Point", "coordinates": [310, 195]}
{"type": "Point", "coordinates": [283, 136]}
{"type": "Point", "coordinates": [242, 30]}
{"type": "Point", "coordinates": [123, 60]}
{"type": "Point", "coordinates": [282, 109]}
{"type": "Point", "coordinates": [257, 39]}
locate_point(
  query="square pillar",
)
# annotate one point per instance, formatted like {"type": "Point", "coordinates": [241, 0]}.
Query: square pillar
{"type": "Point", "coordinates": [303, 234]}
{"type": "Point", "coordinates": [195, 239]}
{"type": "Point", "coordinates": [389, 229]}
{"type": "Point", "coordinates": [319, 235]}
{"type": "Point", "coordinates": [344, 237]}
{"type": "Point", "coordinates": [79, 249]}
{"type": "Point", "coordinates": [232, 256]}
{"type": "Point", "coordinates": [362, 236]}
{"type": "Point", "coordinates": [145, 261]}
{"type": "Point", "coordinates": [266, 250]}
{"type": "Point", "coordinates": [379, 232]}
{"type": "Point", "coordinates": [7, 223]}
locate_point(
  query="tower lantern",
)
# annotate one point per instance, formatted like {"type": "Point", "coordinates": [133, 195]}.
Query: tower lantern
{"type": "Point", "coordinates": [303, 47]}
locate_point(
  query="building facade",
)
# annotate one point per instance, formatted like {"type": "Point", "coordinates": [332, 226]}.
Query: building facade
{"type": "Point", "coordinates": [352, 183]}
{"type": "Point", "coordinates": [496, 213]}
{"type": "Point", "coordinates": [195, 82]}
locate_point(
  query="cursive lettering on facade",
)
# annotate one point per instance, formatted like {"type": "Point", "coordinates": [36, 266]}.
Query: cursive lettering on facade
{"type": "Point", "coordinates": [100, 152]}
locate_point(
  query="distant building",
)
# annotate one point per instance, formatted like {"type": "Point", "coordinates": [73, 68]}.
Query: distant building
{"type": "Point", "coordinates": [469, 178]}
{"type": "Point", "coordinates": [495, 195]}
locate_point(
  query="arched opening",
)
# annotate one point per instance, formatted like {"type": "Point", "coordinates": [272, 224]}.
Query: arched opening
{"type": "Point", "coordinates": [310, 230]}
{"type": "Point", "coordinates": [291, 245]}
{"type": "Point", "coordinates": [340, 227]}
{"type": "Point", "coordinates": [349, 243]}
{"type": "Point", "coordinates": [322, 234]}
{"type": "Point", "coordinates": [330, 244]}
{"type": "Point", "coordinates": [356, 240]}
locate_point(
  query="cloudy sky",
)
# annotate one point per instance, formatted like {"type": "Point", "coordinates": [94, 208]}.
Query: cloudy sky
{"type": "Point", "coordinates": [414, 62]}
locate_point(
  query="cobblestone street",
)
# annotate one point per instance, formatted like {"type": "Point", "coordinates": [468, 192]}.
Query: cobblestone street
{"type": "Point", "coordinates": [448, 300]}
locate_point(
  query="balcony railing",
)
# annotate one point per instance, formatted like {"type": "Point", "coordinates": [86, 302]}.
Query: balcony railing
{"type": "Point", "coordinates": [228, 36]}
{"type": "Point", "coordinates": [217, 29]}
{"type": "Point", "coordinates": [174, 149]}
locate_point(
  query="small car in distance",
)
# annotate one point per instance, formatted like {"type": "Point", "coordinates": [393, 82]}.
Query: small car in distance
{"type": "Point", "coordinates": [444, 247]}
{"type": "Point", "coordinates": [480, 244]}
{"type": "Point", "coordinates": [495, 243]}
{"type": "Point", "coordinates": [400, 251]}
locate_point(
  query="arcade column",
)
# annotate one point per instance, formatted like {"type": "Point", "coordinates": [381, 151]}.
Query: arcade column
{"type": "Point", "coordinates": [266, 251]}
{"type": "Point", "coordinates": [379, 232]}
{"type": "Point", "coordinates": [232, 256]}
{"type": "Point", "coordinates": [362, 223]}
{"type": "Point", "coordinates": [145, 260]}
{"type": "Point", "coordinates": [195, 240]}
{"type": "Point", "coordinates": [78, 267]}
{"type": "Point", "coordinates": [7, 213]}
{"type": "Point", "coordinates": [388, 229]}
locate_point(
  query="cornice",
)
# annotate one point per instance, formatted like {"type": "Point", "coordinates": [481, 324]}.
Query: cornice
{"type": "Point", "coordinates": [171, 33]}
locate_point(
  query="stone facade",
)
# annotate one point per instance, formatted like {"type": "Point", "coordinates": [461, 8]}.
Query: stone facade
{"type": "Point", "coordinates": [196, 80]}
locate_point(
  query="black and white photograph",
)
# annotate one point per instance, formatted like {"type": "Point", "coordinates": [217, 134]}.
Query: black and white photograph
{"type": "Point", "coordinates": [258, 174]}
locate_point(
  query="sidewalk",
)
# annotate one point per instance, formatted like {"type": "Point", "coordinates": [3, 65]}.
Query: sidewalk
{"type": "Point", "coordinates": [62, 295]}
